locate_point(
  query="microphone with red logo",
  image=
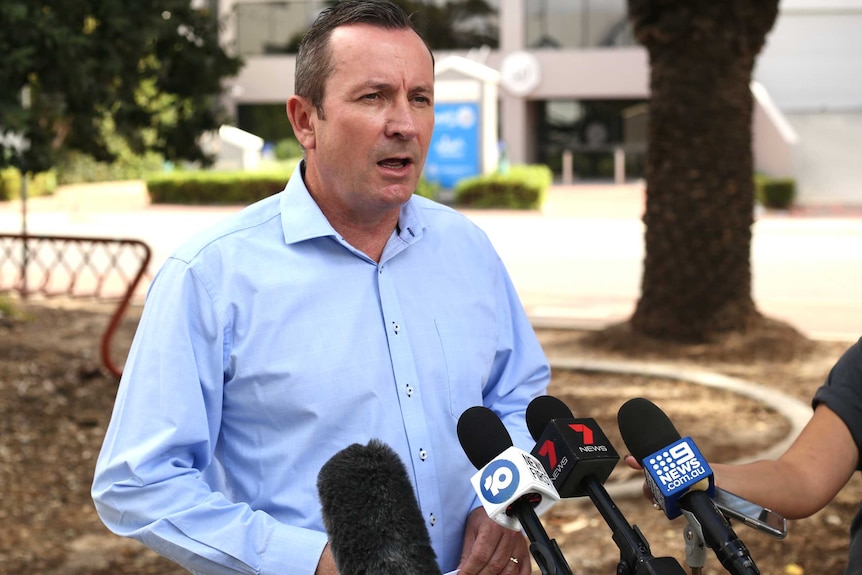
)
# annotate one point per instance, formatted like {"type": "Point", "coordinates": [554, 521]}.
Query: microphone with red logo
{"type": "Point", "coordinates": [680, 479]}
{"type": "Point", "coordinates": [579, 458]}
{"type": "Point", "coordinates": [511, 484]}
{"type": "Point", "coordinates": [371, 514]}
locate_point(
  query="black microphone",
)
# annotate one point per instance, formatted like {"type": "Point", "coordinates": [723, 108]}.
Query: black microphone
{"type": "Point", "coordinates": [510, 482]}
{"type": "Point", "coordinates": [579, 458]}
{"type": "Point", "coordinates": [371, 514]}
{"type": "Point", "coordinates": [680, 479]}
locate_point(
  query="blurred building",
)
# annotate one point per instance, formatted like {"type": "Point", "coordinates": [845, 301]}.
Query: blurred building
{"type": "Point", "coordinates": [575, 86]}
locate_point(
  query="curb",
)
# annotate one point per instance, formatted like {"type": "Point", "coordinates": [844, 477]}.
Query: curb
{"type": "Point", "coordinates": [796, 412]}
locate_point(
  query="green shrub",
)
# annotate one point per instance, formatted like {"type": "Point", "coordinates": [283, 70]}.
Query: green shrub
{"type": "Point", "coordinates": [774, 193]}
{"type": "Point", "coordinates": [41, 184]}
{"type": "Point", "coordinates": [76, 168]}
{"type": "Point", "coordinates": [427, 189]}
{"type": "Point", "coordinates": [523, 187]}
{"type": "Point", "coordinates": [287, 149]}
{"type": "Point", "coordinates": [215, 188]}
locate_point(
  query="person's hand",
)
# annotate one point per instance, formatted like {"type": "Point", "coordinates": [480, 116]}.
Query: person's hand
{"type": "Point", "coordinates": [326, 565]}
{"type": "Point", "coordinates": [633, 463]}
{"type": "Point", "coordinates": [491, 549]}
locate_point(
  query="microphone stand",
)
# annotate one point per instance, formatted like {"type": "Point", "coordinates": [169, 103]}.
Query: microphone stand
{"type": "Point", "coordinates": [695, 547]}
{"type": "Point", "coordinates": [635, 556]}
{"type": "Point", "coordinates": [545, 550]}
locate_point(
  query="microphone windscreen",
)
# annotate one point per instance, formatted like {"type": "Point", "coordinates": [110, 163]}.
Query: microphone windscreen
{"type": "Point", "coordinates": [645, 428]}
{"type": "Point", "coordinates": [371, 514]}
{"type": "Point", "coordinates": [542, 410]}
{"type": "Point", "coordinates": [482, 435]}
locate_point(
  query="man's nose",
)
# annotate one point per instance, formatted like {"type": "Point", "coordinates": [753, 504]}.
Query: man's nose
{"type": "Point", "coordinates": [401, 121]}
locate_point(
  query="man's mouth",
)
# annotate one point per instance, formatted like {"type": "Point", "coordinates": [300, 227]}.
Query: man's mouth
{"type": "Point", "coordinates": [394, 163]}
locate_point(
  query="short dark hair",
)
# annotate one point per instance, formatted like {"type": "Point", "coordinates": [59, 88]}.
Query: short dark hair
{"type": "Point", "coordinates": [314, 59]}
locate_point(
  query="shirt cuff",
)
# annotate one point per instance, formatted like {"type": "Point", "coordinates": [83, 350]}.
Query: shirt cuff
{"type": "Point", "coordinates": [293, 550]}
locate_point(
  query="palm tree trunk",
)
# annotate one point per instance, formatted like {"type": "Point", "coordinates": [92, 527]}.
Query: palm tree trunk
{"type": "Point", "coordinates": [699, 166]}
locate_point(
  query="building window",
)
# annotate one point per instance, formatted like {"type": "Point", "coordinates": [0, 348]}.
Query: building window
{"type": "Point", "coordinates": [577, 24]}
{"type": "Point", "coordinates": [594, 131]}
{"type": "Point", "coordinates": [273, 27]}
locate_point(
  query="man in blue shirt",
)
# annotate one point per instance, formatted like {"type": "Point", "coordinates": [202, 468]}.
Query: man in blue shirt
{"type": "Point", "coordinates": [339, 310]}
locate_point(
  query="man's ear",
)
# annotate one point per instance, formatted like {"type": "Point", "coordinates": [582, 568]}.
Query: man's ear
{"type": "Point", "coordinates": [303, 117]}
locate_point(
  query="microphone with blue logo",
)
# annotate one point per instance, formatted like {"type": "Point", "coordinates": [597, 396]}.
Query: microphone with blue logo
{"type": "Point", "coordinates": [680, 479]}
{"type": "Point", "coordinates": [511, 484]}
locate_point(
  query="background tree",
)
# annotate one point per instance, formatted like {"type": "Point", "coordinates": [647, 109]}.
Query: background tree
{"type": "Point", "coordinates": [450, 25]}
{"type": "Point", "coordinates": [455, 24]}
{"type": "Point", "coordinates": [150, 72]}
{"type": "Point", "coordinates": [696, 282]}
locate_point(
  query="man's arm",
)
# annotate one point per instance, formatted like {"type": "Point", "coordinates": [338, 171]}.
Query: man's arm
{"type": "Point", "coordinates": [149, 480]}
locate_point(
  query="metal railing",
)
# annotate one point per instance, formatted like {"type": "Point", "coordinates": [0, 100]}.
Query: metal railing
{"type": "Point", "coordinates": [101, 269]}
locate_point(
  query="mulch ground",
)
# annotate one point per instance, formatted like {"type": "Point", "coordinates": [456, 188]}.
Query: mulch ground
{"type": "Point", "coordinates": [56, 399]}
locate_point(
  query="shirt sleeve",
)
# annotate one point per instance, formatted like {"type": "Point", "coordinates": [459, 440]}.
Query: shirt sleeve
{"type": "Point", "coordinates": [842, 392]}
{"type": "Point", "coordinates": [149, 482]}
{"type": "Point", "coordinates": [520, 371]}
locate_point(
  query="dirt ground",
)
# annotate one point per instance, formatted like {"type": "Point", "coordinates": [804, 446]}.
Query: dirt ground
{"type": "Point", "coordinates": [55, 402]}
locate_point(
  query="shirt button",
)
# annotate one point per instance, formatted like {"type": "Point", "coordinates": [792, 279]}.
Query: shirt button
{"type": "Point", "coordinates": [409, 391]}
{"type": "Point", "coordinates": [423, 455]}
{"type": "Point", "coordinates": [432, 519]}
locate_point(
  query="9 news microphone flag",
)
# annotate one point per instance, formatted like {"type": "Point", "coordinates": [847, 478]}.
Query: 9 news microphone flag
{"type": "Point", "coordinates": [371, 514]}
{"type": "Point", "coordinates": [680, 479]}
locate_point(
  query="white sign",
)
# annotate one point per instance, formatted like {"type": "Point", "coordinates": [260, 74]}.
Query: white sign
{"type": "Point", "coordinates": [520, 73]}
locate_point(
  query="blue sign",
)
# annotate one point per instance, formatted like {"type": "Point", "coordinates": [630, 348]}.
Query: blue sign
{"type": "Point", "coordinates": [454, 151]}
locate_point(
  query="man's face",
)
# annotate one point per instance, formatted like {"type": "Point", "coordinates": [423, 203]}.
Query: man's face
{"type": "Point", "coordinates": [368, 149]}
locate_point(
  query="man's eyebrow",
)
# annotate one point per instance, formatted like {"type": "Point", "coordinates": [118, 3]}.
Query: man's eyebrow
{"type": "Point", "coordinates": [382, 86]}
{"type": "Point", "coordinates": [425, 88]}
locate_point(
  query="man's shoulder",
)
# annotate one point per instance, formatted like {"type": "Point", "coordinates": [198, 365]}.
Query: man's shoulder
{"type": "Point", "coordinates": [230, 228]}
{"type": "Point", "coordinates": [435, 213]}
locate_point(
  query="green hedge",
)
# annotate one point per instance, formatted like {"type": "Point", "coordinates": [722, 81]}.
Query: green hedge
{"type": "Point", "coordinates": [428, 189]}
{"type": "Point", "coordinates": [774, 193]}
{"type": "Point", "coordinates": [42, 184]}
{"type": "Point", "coordinates": [522, 187]}
{"type": "Point", "coordinates": [215, 188]}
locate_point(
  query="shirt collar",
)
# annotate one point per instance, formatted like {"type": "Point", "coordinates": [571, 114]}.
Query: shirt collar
{"type": "Point", "coordinates": [301, 218]}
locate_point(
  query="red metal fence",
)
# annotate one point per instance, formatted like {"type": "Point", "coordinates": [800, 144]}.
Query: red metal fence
{"type": "Point", "coordinates": [102, 269]}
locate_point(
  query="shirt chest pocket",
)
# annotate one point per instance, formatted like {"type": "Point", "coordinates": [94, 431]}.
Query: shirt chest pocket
{"type": "Point", "coordinates": [467, 360]}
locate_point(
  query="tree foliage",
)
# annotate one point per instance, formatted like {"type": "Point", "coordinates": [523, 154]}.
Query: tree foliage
{"type": "Point", "coordinates": [699, 166]}
{"type": "Point", "coordinates": [454, 24]}
{"type": "Point", "coordinates": [448, 25]}
{"type": "Point", "coordinates": [74, 70]}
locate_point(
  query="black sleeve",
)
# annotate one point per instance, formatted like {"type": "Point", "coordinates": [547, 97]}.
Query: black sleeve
{"type": "Point", "coordinates": [842, 392]}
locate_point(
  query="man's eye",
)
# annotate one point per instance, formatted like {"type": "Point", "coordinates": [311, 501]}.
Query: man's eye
{"type": "Point", "coordinates": [371, 96]}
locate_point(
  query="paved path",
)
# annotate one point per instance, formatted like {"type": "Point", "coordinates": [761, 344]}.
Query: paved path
{"type": "Point", "coordinates": [579, 260]}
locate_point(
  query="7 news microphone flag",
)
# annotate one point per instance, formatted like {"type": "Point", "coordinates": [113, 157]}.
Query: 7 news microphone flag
{"type": "Point", "coordinates": [680, 479]}
{"type": "Point", "coordinates": [511, 484]}
{"type": "Point", "coordinates": [579, 458]}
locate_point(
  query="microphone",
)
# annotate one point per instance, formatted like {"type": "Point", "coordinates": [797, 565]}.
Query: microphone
{"type": "Point", "coordinates": [680, 479]}
{"type": "Point", "coordinates": [511, 484]}
{"type": "Point", "coordinates": [579, 458]}
{"type": "Point", "coordinates": [371, 514]}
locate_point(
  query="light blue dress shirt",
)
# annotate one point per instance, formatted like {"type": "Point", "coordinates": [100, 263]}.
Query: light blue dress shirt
{"type": "Point", "coordinates": [268, 343]}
